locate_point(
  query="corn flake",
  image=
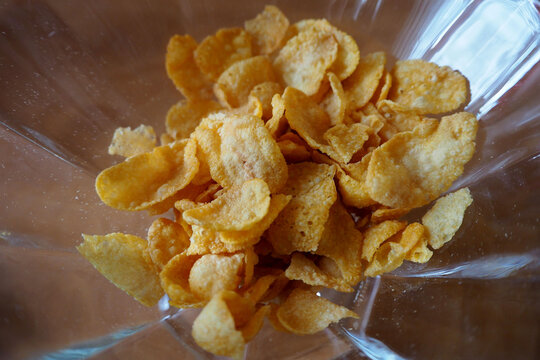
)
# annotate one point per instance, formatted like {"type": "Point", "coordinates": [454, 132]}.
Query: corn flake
{"type": "Point", "coordinates": [304, 59]}
{"type": "Point", "coordinates": [302, 268]}
{"type": "Point", "coordinates": [183, 71]}
{"type": "Point", "coordinates": [175, 281]}
{"type": "Point", "coordinates": [235, 83]}
{"type": "Point", "coordinates": [217, 52]}
{"type": "Point", "coordinates": [445, 217]}
{"type": "Point", "coordinates": [121, 259]}
{"type": "Point", "coordinates": [264, 92]}
{"type": "Point", "coordinates": [306, 313]}
{"type": "Point", "coordinates": [166, 239]}
{"type": "Point", "coordinates": [428, 88]}
{"type": "Point", "coordinates": [146, 179]}
{"type": "Point", "coordinates": [413, 168]}
{"type": "Point", "coordinates": [127, 142]}
{"type": "Point", "coordinates": [378, 234]}
{"type": "Point", "coordinates": [238, 208]}
{"type": "Point", "coordinates": [335, 103]}
{"type": "Point", "coordinates": [185, 116]}
{"type": "Point", "coordinates": [211, 274]}
{"type": "Point", "coordinates": [267, 29]}
{"type": "Point", "coordinates": [300, 225]}
{"type": "Point", "coordinates": [363, 83]}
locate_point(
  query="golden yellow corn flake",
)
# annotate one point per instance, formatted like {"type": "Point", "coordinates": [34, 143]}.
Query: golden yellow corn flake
{"type": "Point", "coordinates": [377, 234]}
{"type": "Point", "coordinates": [346, 140]}
{"type": "Point", "coordinates": [248, 151]}
{"type": "Point", "coordinates": [348, 53]}
{"type": "Point", "coordinates": [277, 123]}
{"type": "Point", "coordinates": [342, 243]}
{"type": "Point", "coordinates": [256, 291]}
{"type": "Point", "coordinates": [306, 313]}
{"type": "Point", "coordinates": [391, 254]}
{"type": "Point", "coordinates": [420, 253]}
{"type": "Point", "coordinates": [401, 118]}
{"type": "Point", "coordinates": [121, 259]}
{"type": "Point", "coordinates": [175, 281]}
{"type": "Point", "coordinates": [238, 208]}
{"type": "Point", "coordinates": [264, 92]}
{"type": "Point", "coordinates": [166, 239]}
{"type": "Point", "coordinates": [413, 168]}
{"type": "Point", "coordinates": [384, 88]}
{"type": "Point", "coordinates": [303, 61]}
{"type": "Point", "coordinates": [207, 241]}
{"type": "Point", "coordinates": [186, 115]}
{"type": "Point", "coordinates": [445, 217]}
{"type": "Point", "coordinates": [293, 152]}
{"type": "Point", "coordinates": [300, 224]}
{"type": "Point", "coordinates": [217, 52]}
{"type": "Point", "coordinates": [304, 269]}
{"type": "Point", "coordinates": [383, 214]}
{"type": "Point", "coordinates": [208, 194]}
{"type": "Point", "coordinates": [252, 327]}
{"type": "Point", "coordinates": [277, 203]}
{"type": "Point", "coordinates": [211, 274]}
{"type": "Point", "coordinates": [234, 84]}
{"type": "Point", "coordinates": [127, 142]}
{"type": "Point", "coordinates": [215, 329]}
{"type": "Point", "coordinates": [428, 88]}
{"type": "Point", "coordinates": [183, 71]}
{"type": "Point", "coordinates": [146, 179]}
{"type": "Point", "coordinates": [363, 83]}
{"type": "Point", "coordinates": [335, 103]}
{"type": "Point", "coordinates": [267, 29]}
{"type": "Point", "coordinates": [274, 320]}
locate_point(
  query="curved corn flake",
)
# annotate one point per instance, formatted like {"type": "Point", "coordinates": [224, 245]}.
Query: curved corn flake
{"type": "Point", "coordinates": [248, 151]}
{"type": "Point", "coordinates": [428, 88]}
{"type": "Point", "coordinates": [206, 241]}
{"type": "Point", "coordinates": [346, 140]}
{"type": "Point", "coordinates": [306, 313]}
{"type": "Point", "coordinates": [276, 323]}
{"type": "Point", "coordinates": [420, 252]}
{"type": "Point", "coordinates": [413, 168]}
{"type": "Point", "coordinates": [183, 71]}
{"type": "Point", "coordinates": [166, 239]}
{"type": "Point", "coordinates": [378, 234]}
{"type": "Point", "coordinates": [234, 84]}
{"type": "Point", "coordinates": [302, 268]}
{"type": "Point", "coordinates": [213, 273]}
{"type": "Point", "coordinates": [307, 118]}
{"type": "Point", "coordinates": [391, 254]}
{"type": "Point", "coordinates": [304, 59]}
{"type": "Point", "coordinates": [277, 123]}
{"type": "Point", "coordinates": [251, 259]}
{"type": "Point", "coordinates": [215, 329]}
{"type": "Point", "coordinates": [267, 29]}
{"type": "Point", "coordinates": [335, 103]}
{"type": "Point", "coordinates": [445, 217]}
{"type": "Point", "coordinates": [401, 118]}
{"type": "Point", "coordinates": [179, 207]}
{"type": "Point", "coordinates": [185, 116]}
{"type": "Point", "coordinates": [165, 139]}
{"type": "Point", "coordinates": [219, 51]}
{"type": "Point", "coordinates": [383, 214]}
{"type": "Point", "coordinates": [293, 152]}
{"type": "Point", "coordinates": [255, 323]}
{"type": "Point", "coordinates": [209, 194]}
{"type": "Point", "coordinates": [121, 259]}
{"type": "Point", "coordinates": [256, 291]}
{"type": "Point", "coordinates": [239, 208]}
{"type": "Point", "coordinates": [127, 142]}
{"type": "Point", "coordinates": [175, 281]}
{"type": "Point", "coordinates": [363, 83]}
{"type": "Point", "coordinates": [384, 88]}
{"type": "Point", "coordinates": [342, 242]}
{"type": "Point", "coordinates": [299, 226]}
{"type": "Point", "coordinates": [149, 178]}
{"type": "Point", "coordinates": [277, 203]}
{"type": "Point", "coordinates": [348, 54]}
{"type": "Point", "coordinates": [189, 192]}
{"type": "Point", "coordinates": [265, 92]}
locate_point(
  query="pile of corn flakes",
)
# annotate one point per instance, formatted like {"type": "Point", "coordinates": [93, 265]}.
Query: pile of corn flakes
{"type": "Point", "coordinates": [284, 132]}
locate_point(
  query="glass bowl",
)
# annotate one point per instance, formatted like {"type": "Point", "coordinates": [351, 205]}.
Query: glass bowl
{"type": "Point", "coordinates": [71, 72]}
